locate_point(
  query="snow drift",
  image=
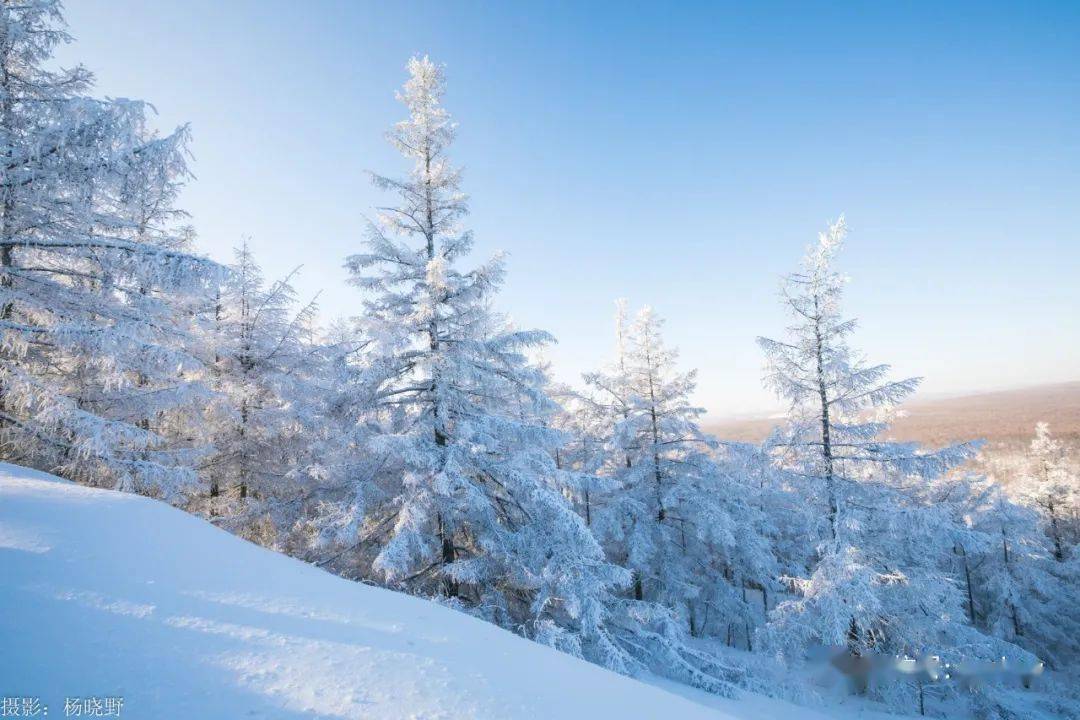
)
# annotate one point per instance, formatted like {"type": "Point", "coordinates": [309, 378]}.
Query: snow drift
{"type": "Point", "coordinates": [109, 594]}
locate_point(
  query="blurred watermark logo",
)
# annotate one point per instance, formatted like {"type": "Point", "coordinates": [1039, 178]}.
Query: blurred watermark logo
{"type": "Point", "coordinates": [863, 669]}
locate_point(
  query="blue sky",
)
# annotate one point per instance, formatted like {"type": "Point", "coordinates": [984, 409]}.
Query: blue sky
{"type": "Point", "coordinates": [679, 155]}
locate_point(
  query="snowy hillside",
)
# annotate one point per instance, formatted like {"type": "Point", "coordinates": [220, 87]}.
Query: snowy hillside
{"type": "Point", "coordinates": [107, 594]}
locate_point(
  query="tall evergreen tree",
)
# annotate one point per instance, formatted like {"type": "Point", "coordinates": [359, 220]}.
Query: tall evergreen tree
{"type": "Point", "coordinates": [83, 320]}
{"type": "Point", "coordinates": [1022, 593]}
{"type": "Point", "coordinates": [875, 582]}
{"type": "Point", "coordinates": [471, 511]}
{"type": "Point", "coordinates": [676, 518]}
{"type": "Point", "coordinates": [1051, 488]}
{"type": "Point", "coordinates": [838, 404]}
{"type": "Point", "coordinates": [267, 371]}
{"type": "Point", "coordinates": [668, 509]}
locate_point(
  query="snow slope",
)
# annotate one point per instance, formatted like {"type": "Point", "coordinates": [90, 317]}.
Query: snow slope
{"type": "Point", "coordinates": [107, 594]}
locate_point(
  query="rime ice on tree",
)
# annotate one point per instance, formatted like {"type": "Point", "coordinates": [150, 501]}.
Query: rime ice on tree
{"type": "Point", "coordinates": [91, 349]}
{"type": "Point", "coordinates": [470, 509]}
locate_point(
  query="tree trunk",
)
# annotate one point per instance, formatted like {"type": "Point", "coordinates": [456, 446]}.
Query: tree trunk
{"type": "Point", "coordinates": [657, 475]}
{"type": "Point", "coordinates": [449, 555]}
{"type": "Point", "coordinates": [1017, 629]}
{"type": "Point", "coordinates": [1055, 533]}
{"type": "Point", "coordinates": [826, 425]}
{"type": "Point", "coordinates": [7, 209]}
{"type": "Point", "coordinates": [588, 508]}
{"type": "Point", "coordinates": [970, 591]}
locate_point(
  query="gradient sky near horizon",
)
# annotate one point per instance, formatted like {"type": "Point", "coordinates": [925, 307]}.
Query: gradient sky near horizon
{"type": "Point", "coordinates": [680, 155]}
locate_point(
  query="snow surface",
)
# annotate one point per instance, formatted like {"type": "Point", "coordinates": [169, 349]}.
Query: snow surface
{"type": "Point", "coordinates": [110, 594]}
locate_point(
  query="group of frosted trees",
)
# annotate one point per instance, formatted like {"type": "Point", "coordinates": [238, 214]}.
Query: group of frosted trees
{"type": "Point", "coordinates": [420, 444]}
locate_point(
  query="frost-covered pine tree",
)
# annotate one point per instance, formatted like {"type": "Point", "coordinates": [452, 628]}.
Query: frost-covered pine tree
{"type": "Point", "coordinates": [672, 517]}
{"type": "Point", "coordinates": [266, 426]}
{"type": "Point", "coordinates": [1048, 550]}
{"type": "Point", "coordinates": [837, 401]}
{"type": "Point", "coordinates": [664, 507]}
{"type": "Point", "coordinates": [169, 403]}
{"type": "Point", "coordinates": [652, 425]}
{"type": "Point", "coordinates": [838, 404]}
{"type": "Point", "coordinates": [875, 582]}
{"type": "Point", "coordinates": [1020, 592]}
{"type": "Point", "coordinates": [83, 314]}
{"type": "Point", "coordinates": [465, 504]}
{"type": "Point", "coordinates": [1052, 490]}
{"type": "Point", "coordinates": [775, 521]}
{"type": "Point", "coordinates": [582, 457]}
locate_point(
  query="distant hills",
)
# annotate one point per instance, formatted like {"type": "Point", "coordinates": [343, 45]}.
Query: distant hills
{"type": "Point", "coordinates": [1004, 418]}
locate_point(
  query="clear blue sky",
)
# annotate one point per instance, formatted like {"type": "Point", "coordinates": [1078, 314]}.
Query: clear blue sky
{"type": "Point", "coordinates": [679, 155]}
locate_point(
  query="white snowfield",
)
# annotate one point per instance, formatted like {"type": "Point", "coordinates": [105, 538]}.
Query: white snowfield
{"type": "Point", "coordinates": [105, 594]}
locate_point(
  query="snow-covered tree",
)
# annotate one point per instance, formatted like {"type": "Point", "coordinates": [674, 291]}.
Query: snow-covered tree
{"type": "Point", "coordinates": [582, 457]}
{"type": "Point", "coordinates": [838, 403]}
{"type": "Point", "coordinates": [1022, 594]}
{"type": "Point", "coordinates": [471, 509]}
{"type": "Point", "coordinates": [672, 516]}
{"type": "Point", "coordinates": [89, 354]}
{"type": "Point", "coordinates": [778, 519]}
{"type": "Point", "coordinates": [652, 428]}
{"type": "Point", "coordinates": [1052, 490]}
{"type": "Point", "coordinates": [267, 424]}
{"type": "Point", "coordinates": [877, 581]}
{"type": "Point", "coordinates": [661, 504]}
{"type": "Point", "coordinates": [169, 403]}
